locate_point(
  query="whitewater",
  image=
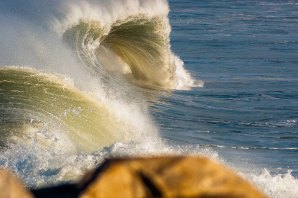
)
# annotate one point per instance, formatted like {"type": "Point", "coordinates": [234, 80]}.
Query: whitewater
{"type": "Point", "coordinates": [83, 80]}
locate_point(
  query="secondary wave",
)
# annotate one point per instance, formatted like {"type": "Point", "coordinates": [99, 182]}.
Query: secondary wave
{"type": "Point", "coordinates": [31, 100]}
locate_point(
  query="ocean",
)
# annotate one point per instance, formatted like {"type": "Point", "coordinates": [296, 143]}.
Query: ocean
{"type": "Point", "coordinates": [84, 80]}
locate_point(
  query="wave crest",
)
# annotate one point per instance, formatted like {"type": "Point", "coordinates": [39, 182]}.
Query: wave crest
{"type": "Point", "coordinates": [136, 44]}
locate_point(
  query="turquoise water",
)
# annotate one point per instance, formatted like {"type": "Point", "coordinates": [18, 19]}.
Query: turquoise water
{"type": "Point", "coordinates": [246, 52]}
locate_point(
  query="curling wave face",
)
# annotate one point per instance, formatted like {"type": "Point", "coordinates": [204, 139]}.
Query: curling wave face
{"type": "Point", "coordinates": [33, 100]}
{"type": "Point", "coordinates": [137, 46]}
{"type": "Point", "coordinates": [135, 43]}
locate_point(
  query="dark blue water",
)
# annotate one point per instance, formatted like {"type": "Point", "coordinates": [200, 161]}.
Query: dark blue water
{"type": "Point", "coordinates": [246, 52]}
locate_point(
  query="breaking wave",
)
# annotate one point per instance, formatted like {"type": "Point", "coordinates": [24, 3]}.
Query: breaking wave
{"type": "Point", "coordinates": [135, 44]}
{"type": "Point", "coordinates": [33, 101]}
{"type": "Point", "coordinates": [105, 48]}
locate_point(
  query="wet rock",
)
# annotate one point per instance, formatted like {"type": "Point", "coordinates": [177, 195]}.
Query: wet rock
{"type": "Point", "coordinates": [165, 177]}
{"type": "Point", "coordinates": [11, 187]}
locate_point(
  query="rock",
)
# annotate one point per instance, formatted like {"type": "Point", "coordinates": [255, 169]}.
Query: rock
{"type": "Point", "coordinates": [60, 191]}
{"type": "Point", "coordinates": [165, 177]}
{"type": "Point", "coordinates": [11, 187]}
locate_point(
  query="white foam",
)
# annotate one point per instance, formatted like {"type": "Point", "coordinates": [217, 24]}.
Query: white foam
{"type": "Point", "coordinates": [38, 167]}
{"type": "Point", "coordinates": [105, 12]}
{"type": "Point", "coordinates": [183, 79]}
{"type": "Point", "coordinates": [276, 185]}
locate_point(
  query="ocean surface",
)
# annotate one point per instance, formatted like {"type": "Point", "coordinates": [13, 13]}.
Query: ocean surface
{"type": "Point", "coordinates": [83, 80]}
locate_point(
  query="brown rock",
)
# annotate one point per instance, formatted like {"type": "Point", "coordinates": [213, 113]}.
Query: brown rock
{"type": "Point", "coordinates": [11, 187]}
{"type": "Point", "coordinates": [166, 177]}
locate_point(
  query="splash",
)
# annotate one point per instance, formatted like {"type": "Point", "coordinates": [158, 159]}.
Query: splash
{"type": "Point", "coordinates": [276, 185]}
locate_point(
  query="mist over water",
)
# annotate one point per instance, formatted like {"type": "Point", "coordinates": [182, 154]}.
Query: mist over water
{"type": "Point", "coordinates": [81, 81]}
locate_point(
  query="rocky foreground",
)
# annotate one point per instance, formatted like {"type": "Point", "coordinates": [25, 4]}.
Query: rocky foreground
{"type": "Point", "coordinates": [173, 176]}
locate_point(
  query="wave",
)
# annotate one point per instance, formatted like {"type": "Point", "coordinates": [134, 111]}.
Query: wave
{"type": "Point", "coordinates": [135, 46]}
{"type": "Point", "coordinates": [135, 43]}
{"type": "Point", "coordinates": [53, 129]}
{"type": "Point", "coordinates": [32, 102]}
{"type": "Point", "coordinates": [39, 106]}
